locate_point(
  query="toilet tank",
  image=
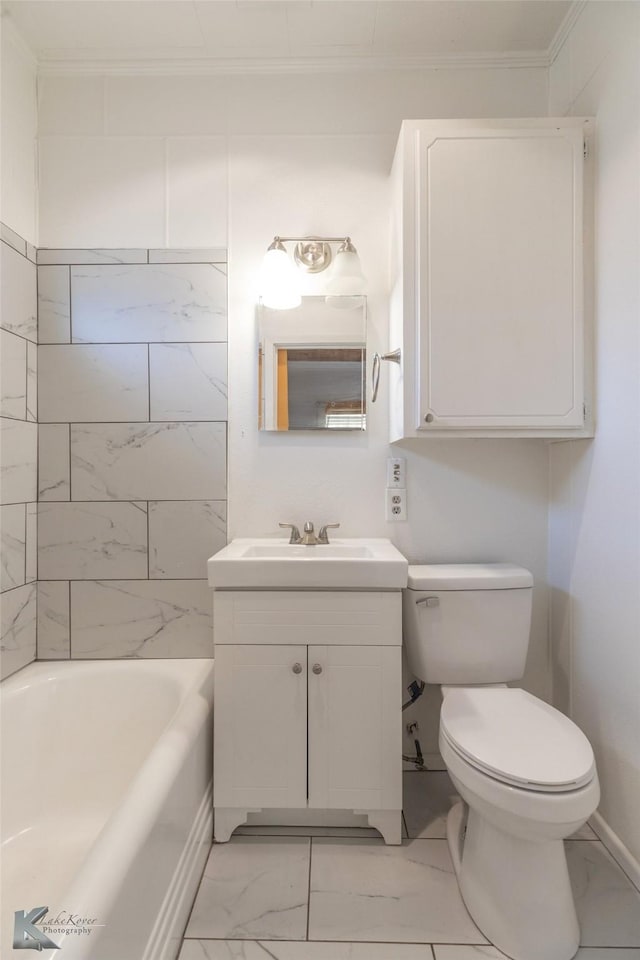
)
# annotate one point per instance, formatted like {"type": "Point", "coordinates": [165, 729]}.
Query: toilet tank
{"type": "Point", "coordinates": [467, 623]}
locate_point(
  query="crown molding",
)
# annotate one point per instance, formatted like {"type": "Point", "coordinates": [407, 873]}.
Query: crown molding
{"type": "Point", "coordinates": [571, 18]}
{"type": "Point", "coordinates": [290, 65]}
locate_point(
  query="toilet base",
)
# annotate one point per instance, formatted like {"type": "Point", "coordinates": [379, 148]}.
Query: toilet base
{"type": "Point", "coordinates": [517, 891]}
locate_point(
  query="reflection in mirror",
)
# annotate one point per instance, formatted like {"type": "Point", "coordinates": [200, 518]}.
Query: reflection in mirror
{"type": "Point", "coordinates": [311, 365]}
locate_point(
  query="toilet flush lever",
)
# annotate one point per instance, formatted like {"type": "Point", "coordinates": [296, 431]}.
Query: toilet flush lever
{"type": "Point", "coordinates": [429, 601]}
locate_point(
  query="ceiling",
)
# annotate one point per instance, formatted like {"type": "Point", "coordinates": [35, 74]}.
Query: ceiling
{"type": "Point", "coordinates": [263, 32]}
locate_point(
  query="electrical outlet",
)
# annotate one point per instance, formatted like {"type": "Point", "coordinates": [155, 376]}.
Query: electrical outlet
{"type": "Point", "coordinates": [396, 504]}
{"type": "Point", "coordinates": [397, 472]}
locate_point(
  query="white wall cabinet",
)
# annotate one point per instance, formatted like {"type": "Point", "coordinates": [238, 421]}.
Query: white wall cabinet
{"type": "Point", "coordinates": [488, 287]}
{"type": "Point", "coordinates": [307, 726]}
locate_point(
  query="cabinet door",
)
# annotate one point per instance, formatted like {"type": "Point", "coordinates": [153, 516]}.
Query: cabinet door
{"type": "Point", "coordinates": [355, 748]}
{"type": "Point", "coordinates": [500, 277]}
{"type": "Point", "coordinates": [260, 726]}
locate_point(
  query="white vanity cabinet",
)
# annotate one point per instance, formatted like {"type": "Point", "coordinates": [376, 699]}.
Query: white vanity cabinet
{"type": "Point", "coordinates": [488, 287]}
{"type": "Point", "coordinates": [307, 710]}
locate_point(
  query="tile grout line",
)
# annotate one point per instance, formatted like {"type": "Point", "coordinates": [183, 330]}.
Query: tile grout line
{"type": "Point", "coordinates": [149, 382]}
{"type": "Point", "coordinates": [70, 491]}
{"type": "Point", "coordinates": [70, 623]}
{"type": "Point", "coordinates": [149, 416]}
{"type": "Point", "coordinates": [25, 549]}
{"type": "Point", "coordinates": [115, 343]}
{"type": "Point", "coordinates": [70, 307]}
{"type": "Point", "coordinates": [26, 372]}
{"type": "Point", "coordinates": [309, 889]}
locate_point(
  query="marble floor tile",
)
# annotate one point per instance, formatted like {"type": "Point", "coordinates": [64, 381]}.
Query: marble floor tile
{"type": "Point", "coordinates": [309, 950]}
{"type": "Point", "coordinates": [457, 952]}
{"type": "Point", "coordinates": [607, 953]}
{"type": "Point", "coordinates": [585, 832]}
{"type": "Point", "coordinates": [427, 799]}
{"type": "Point", "coordinates": [607, 904]}
{"type": "Point", "coordinates": [253, 887]}
{"type": "Point", "coordinates": [364, 890]}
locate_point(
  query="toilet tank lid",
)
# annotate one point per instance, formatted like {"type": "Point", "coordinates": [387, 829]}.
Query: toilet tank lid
{"type": "Point", "coordinates": [468, 576]}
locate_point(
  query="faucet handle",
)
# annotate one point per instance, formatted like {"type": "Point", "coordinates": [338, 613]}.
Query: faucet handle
{"type": "Point", "coordinates": [323, 536]}
{"type": "Point", "coordinates": [295, 533]}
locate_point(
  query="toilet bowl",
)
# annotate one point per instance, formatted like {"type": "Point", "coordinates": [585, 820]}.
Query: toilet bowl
{"type": "Point", "coordinates": [525, 772]}
{"type": "Point", "coordinates": [522, 804]}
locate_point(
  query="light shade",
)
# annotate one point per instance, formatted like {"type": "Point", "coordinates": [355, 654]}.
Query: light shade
{"type": "Point", "coordinates": [279, 280]}
{"type": "Point", "coordinates": [347, 278]}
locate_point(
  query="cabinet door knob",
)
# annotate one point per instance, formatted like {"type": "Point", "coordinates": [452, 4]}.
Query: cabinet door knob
{"type": "Point", "coordinates": [429, 418]}
{"type": "Point", "coordinates": [316, 668]}
{"type": "Point", "coordinates": [297, 668]}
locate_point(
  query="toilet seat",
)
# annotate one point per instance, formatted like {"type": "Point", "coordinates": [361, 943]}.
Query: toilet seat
{"type": "Point", "coordinates": [517, 739]}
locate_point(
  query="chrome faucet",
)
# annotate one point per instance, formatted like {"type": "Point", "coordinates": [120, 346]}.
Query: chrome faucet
{"type": "Point", "coordinates": [309, 538]}
{"type": "Point", "coordinates": [295, 533]}
{"type": "Point", "coordinates": [323, 536]}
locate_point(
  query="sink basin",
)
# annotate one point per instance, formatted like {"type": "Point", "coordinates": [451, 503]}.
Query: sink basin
{"type": "Point", "coordinates": [342, 564]}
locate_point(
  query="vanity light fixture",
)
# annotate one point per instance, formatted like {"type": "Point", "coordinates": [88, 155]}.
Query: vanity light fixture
{"type": "Point", "coordinates": [280, 283]}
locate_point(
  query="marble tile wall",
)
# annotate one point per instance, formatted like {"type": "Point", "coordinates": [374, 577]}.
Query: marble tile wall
{"type": "Point", "coordinates": [132, 386]}
{"type": "Point", "coordinates": [18, 452]}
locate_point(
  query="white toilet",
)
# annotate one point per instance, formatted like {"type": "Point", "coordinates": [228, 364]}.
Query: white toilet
{"type": "Point", "coordinates": [525, 772]}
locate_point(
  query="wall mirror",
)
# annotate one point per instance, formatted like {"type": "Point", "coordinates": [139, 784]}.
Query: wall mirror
{"type": "Point", "coordinates": [311, 365]}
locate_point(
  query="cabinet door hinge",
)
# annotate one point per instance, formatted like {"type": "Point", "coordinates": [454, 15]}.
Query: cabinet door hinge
{"type": "Point", "coordinates": [584, 412]}
{"type": "Point", "coordinates": [585, 149]}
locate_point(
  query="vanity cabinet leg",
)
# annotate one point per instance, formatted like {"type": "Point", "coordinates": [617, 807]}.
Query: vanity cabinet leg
{"type": "Point", "coordinates": [226, 819]}
{"type": "Point", "coordinates": [388, 822]}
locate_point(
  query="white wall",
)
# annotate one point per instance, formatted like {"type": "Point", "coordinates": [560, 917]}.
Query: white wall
{"type": "Point", "coordinates": [595, 485]}
{"type": "Point", "coordinates": [18, 126]}
{"type": "Point", "coordinates": [191, 161]}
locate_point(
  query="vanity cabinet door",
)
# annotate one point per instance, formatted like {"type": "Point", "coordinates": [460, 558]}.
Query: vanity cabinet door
{"type": "Point", "coordinates": [355, 748]}
{"type": "Point", "coordinates": [260, 733]}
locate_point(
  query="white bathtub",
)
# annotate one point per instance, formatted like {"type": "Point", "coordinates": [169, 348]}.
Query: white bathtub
{"type": "Point", "coordinates": [106, 809]}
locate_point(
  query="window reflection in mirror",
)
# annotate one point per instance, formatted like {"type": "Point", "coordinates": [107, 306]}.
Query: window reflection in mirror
{"type": "Point", "coordinates": [311, 365]}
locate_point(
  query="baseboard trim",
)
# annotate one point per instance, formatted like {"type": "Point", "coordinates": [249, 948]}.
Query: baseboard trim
{"type": "Point", "coordinates": [165, 940]}
{"type": "Point", "coordinates": [623, 857]}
